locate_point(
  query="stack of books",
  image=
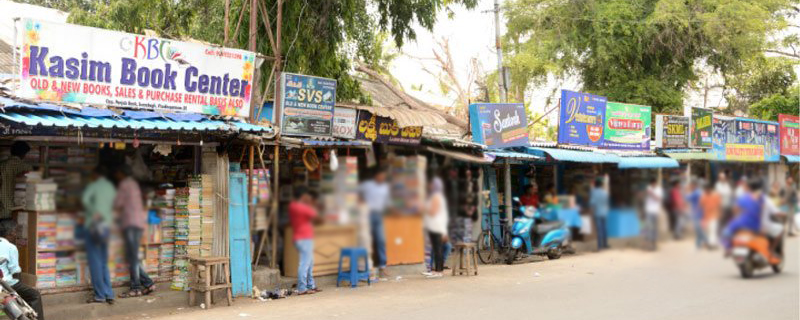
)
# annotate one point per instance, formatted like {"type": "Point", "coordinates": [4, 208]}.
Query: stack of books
{"type": "Point", "coordinates": [46, 231]}
{"type": "Point", "coordinates": [66, 270]}
{"type": "Point", "coordinates": [180, 251]}
{"type": "Point", "coordinates": [207, 205]}
{"type": "Point", "coordinates": [166, 255]}
{"type": "Point", "coordinates": [195, 217]}
{"type": "Point", "coordinates": [65, 230]}
{"type": "Point", "coordinates": [46, 269]}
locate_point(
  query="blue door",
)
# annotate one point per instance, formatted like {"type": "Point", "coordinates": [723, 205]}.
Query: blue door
{"type": "Point", "coordinates": [239, 228]}
{"type": "Point", "coordinates": [491, 213]}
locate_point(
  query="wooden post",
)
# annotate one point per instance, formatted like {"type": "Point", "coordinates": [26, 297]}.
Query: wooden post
{"type": "Point", "coordinates": [226, 38]}
{"type": "Point", "coordinates": [277, 123]}
{"type": "Point", "coordinates": [507, 191]}
{"type": "Point", "coordinates": [274, 211]}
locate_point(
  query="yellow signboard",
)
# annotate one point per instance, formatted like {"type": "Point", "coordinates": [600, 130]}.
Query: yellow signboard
{"type": "Point", "coordinates": [744, 152]}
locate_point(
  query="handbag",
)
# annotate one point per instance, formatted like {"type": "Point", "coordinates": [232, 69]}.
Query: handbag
{"type": "Point", "coordinates": [99, 231]}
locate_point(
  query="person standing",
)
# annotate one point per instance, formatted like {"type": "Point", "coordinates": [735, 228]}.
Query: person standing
{"type": "Point", "coordinates": [599, 202]}
{"type": "Point", "coordinates": [301, 216]}
{"type": "Point", "coordinates": [790, 199]}
{"type": "Point", "coordinates": [693, 196]}
{"type": "Point", "coordinates": [11, 268]}
{"type": "Point", "coordinates": [375, 193]}
{"type": "Point", "coordinates": [435, 220]}
{"type": "Point", "coordinates": [98, 204]}
{"type": "Point", "coordinates": [133, 219]}
{"type": "Point", "coordinates": [531, 196]}
{"type": "Point", "coordinates": [10, 168]}
{"type": "Point", "coordinates": [725, 191]}
{"type": "Point", "coordinates": [711, 204]}
{"type": "Point", "coordinates": [652, 207]}
{"type": "Point", "coordinates": [677, 208]}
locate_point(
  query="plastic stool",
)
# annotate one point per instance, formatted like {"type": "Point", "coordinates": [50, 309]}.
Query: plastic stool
{"type": "Point", "coordinates": [354, 275]}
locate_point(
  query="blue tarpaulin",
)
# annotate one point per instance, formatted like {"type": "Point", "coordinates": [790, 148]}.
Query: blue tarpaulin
{"type": "Point", "coordinates": [647, 163]}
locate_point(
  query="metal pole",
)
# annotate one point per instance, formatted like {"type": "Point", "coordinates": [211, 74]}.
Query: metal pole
{"type": "Point", "coordinates": [507, 192]}
{"type": "Point", "coordinates": [277, 124]}
{"type": "Point", "coordinates": [501, 79]}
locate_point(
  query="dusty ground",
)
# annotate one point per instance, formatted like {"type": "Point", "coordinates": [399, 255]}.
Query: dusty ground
{"type": "Point", "coordinates": [675, 283]}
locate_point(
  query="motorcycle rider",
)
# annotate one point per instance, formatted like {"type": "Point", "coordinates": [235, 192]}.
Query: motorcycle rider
{"type": "Point", "coordinates": [750, 206]}
{"type": "Point", "coordinates": [11, 268]}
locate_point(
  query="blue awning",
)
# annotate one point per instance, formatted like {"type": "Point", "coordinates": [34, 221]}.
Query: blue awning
{"type": "Point", "coordinates": [647, 163]}
{"type": "Point", "coordinates": [573, 155]}
{"type": "Point", "coordinates": [505, 154]}
{"type": "Point", "coordinates": [791, 158]}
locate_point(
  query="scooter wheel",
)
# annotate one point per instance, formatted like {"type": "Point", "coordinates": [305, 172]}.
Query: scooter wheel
{"type": "Point", "coordinates": [554, 254]}
{"type": "Point", "coordinates": [511, 256]}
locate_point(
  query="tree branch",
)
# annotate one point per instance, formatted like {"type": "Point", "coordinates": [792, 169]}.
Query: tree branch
{"type": "Point", "coordinates": [785, 54]}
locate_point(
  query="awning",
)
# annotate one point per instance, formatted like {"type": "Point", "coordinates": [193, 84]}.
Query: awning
{"type": "Point", "coordinates": [336, 143]}
{"type": "Point", "coordinates": [647, 163]}
{"type": "Point", "coordinates": [573, 156]}
{"type": "Point", "coordinates": [791, 158]}
{"type": "Point", "coordinates": [512, 155]}
{"type": "Point", "coordinates": [690, 155]}
{"type": "Point", "coordinates": [460, 156]}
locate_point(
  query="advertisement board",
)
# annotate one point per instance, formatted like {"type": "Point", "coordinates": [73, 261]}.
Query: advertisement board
{"type": "Point", "coordinates": [499, 125]}
{"type": "Point", "coordinates": [344, 123]}
{"type": "Point", "coordinates": [307, 105]}
{"type": "Point", "coordinates": [672, 132]}
{"type": "Point", "coordinates": [744, 152]}
{"type": "Point", "coordinates": [385, 130]}
{"type": "Point", "coordinates": [627, 127]}
{"type": "Point", "coordinates": [701, 128]}
{"type": "Point", "coordinates": [581, 118]}
{"type": "Point", "coordinates": [724, 132]}
{"type": "Point", "coordinates": [789, 134]}
{"type": "Point", "coordinates": [759, 132]}
{"type": "Point", "coordinates": [66, 63]}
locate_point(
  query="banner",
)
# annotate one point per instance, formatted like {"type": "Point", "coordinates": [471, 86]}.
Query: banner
{"type": "Point", "coordinates": [627, 126]}
{"type": "Point", "coordinates": [344, 123]}
{"type": "Point", "coordinates": [385, 130]}
{"type": "Point", "coordinates": [758, 132]}
{"type": "Point", "coordinates": [581, 118]}
{"type": "Point", "coordinates": [499, 125]}
{"type": "Point", "coordinates": [744, 152]}
{"type": "Point", "coordinates": [723, 133]}
{"type": "Point", "coordinates": [789, 134]}
{"type": "Point", "coordinates": [701, 128]}
{"type": "Point", "coordinates": [65, 63]}
{"type": "Point", "coordinates": [307, 105]}
{"type": "Point", "coordinates": [672, 132]}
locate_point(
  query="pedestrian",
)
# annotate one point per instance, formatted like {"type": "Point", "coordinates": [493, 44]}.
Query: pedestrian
{"type": "Point", "coordinates": [11, 268]}
{"type": "Point", "coordinates": [652, 206]}
{"type": "Point", "coordinates": [10, 169]}
{"type": "Point", "coordinates": [599, 202]}
{"type": "Point", "coordinates": [375, 193]}
{"type": "Point", "coordinates": [531, 196]}
{"type": "Point", "coordinates": [302, 214]}
{"type": "Point", "coordinates": [693, 197]}
{"type": "Point", "coordinates": [435, 220]}
{"type": "Point", "coordinates": [133, 220]}
{"type": "Point", "coordinates": [98, 206]}
{"type": "Point", "coordinates": [677, 207]}
{"type": "Point", "coordinates": [711, 204]}
{"type": "Point", "coordinates": [725, 191]}
{"type": "Point", "coordinates": [790, 199]}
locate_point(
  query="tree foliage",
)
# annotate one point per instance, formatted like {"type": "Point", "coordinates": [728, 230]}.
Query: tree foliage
{"type": "Point", "coordinates": [319, 37]}
{"type": "Point", "coordinates": [769, 107]}
{"type": "Point", "coordinates": [638, 51]}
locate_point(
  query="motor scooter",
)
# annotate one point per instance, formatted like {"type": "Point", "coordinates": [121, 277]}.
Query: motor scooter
{"type": "Point", "coordinates": [13, 306]}
{"type": "Point", "coordinates": [530, 235]}
{"type": "Point", "coordinates": [752, 252]}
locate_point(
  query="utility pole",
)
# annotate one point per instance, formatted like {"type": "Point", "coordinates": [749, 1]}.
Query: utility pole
{"type": "Point", "coordinates": [501, 74]}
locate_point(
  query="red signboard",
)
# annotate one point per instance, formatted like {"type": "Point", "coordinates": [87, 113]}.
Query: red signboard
{"type": "Point", "coordinates": [790, 134]}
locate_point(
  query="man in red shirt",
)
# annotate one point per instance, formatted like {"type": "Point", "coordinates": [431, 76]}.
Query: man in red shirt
{"type": "Point", "coordinates": [301, 216]}
{"type": "Point", "coordinates": [531, 196]}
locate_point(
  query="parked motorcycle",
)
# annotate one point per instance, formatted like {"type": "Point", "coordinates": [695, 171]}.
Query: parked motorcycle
{"type": "Point", "coordinates": [13, 306]}
{"type": "Point", "coordinates": [530, 235]}
{"type": "Point", "coordinates": [752, 252]}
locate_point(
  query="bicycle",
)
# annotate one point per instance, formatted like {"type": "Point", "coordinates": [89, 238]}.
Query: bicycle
{"type": "Point", "coordinates": [488, 242]}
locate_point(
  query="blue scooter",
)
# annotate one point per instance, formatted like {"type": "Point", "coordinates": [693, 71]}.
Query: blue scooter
{"type": "Point", "coordinates": [530, 235]}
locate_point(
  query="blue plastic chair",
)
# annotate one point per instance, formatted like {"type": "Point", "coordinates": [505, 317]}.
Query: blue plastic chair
{"type": "Point", "coordinates": [354, 275]}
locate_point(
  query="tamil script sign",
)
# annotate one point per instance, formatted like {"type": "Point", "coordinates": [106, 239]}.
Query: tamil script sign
{"type": "Point", "coordinates": [385, 130]}
{"type": "Point", "coordinates": [581, 119]}
{"type": "Point", "coordinates": [627, 126]}
{"type": "Point", "coordinates": [701, 128]}
{"type": "Point", "coordinates": [761, 133]}
{"type": "Point", "coordinates": [724, 132]}
{"type": "Point", "coordinates": [307, 105]}
{"type": "Point", "coordinates": [66, 63]}
{"type": "Point", "coordinates": [790, 134]}
{"type": "Point", "coordinates": [344, 123]}
{"type": "Point", "coordinates": [672, 132]}
{"type": "Point", "coordinates": [499, 125]}
{"type": "Point", "coordinates": [744, 152]}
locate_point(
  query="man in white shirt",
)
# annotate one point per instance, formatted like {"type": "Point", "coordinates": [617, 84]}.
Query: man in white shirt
{"type": "Point", "coordinates": [11, 268]}
{"type": "Point", "coordinates": [375, 193]}
{"type": "Point", "coordinates": [652, 208]}
{"type": "Point", "coordinates": [725, 191]}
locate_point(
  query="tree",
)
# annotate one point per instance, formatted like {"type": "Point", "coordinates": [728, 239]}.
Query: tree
{"type": "Point", "coordinates": [638, 51]}
{"type": "Point", "coordinates": [760, 78]}
{"type": "Point", "coordinates": [319, 37]}
{"type": "Point", "coordinates": [769, 107]}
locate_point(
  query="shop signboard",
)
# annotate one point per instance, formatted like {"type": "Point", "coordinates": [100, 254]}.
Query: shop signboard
{"type": "Point", "coordinates": [344, 123]}
{"type": "Point", "coordinates": [66, 63]}
{"type": "Point", "coordinates": [627, 127]}
{"type": "Point", "coordinates": [790, 134]}
{"type": "Point", "coordinates": [761, 133]}
{"type": "Point", "coordinates": [499, 125]}
{"type": "Point", "coordinates": [744, 152]}
{"type": "Point", "coordinates": [672, 132]}
{"type": "Point", "coordinates": [702, 125]}
{"type": "Point", "coordinates": [581, 118]}
{"type": "Point", "coordinates": [385, 130]}
{"type": "Point", "coordinates": [723, 133]}
{"type": "Point", "coordinates": [307, 105]}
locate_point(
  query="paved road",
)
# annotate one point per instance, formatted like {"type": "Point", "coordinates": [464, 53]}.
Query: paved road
{"type": "Point", "coordinates": [674, 283]}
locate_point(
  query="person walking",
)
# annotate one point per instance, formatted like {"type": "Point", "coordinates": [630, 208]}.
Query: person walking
{"type": "Point", "coordinates": [693, 197]}
{"type": "Point", "coordinates": [599, 202]}
{"type": "Point", "coordinates": [435, 221]}
{"type": "Point", "coordinates": [98, 203]}
{"type": "Point", "coordinates": [711, 204]}
{"type": "Point", "coordinates": [301, 216]}
{"type": "Point", "coordinates": [725, 191]}
{"type": "Point", "coordinates": [677, 208]}
{"type": "Point", "coordinates": [790, 199]}
{"type": "Point", "coordinates": [133, 220]}
{"type": "Point", "coordinates": [375, 193]}
{"type": "Point", "coordinates": [652, 207]}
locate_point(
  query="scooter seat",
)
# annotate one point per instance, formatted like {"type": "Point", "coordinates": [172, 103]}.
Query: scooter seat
{"type": "Point", "coordinates": [548, 226]}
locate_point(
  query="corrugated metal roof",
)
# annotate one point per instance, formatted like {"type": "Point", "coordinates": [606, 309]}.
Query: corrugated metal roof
{"type": "Point", "coordinates": [647, 163]}
{"type": "Point", "coordinates": [791, 158]}
{"type": "Point", "coordinates": [690, 155]}
{"type": "Point", "coordinates": [460, 156]}
{"type": "Point", "coordinates": [512, 155]}
{"type": "Point", "coordinates": [574, 156]}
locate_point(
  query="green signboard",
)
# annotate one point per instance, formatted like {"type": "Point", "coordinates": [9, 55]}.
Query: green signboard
{"type": "Point", "coordinates": [702, 128]}
{"type": "Point", "coordinates": [627, 127]}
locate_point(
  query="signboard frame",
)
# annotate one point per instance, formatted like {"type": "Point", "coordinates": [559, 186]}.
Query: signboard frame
{"type": "Point", "coordinates": [307, 118]}
{"type": "Point", "coordinates": [581, 118]}
{"type": "Point", "coordinates": [499, 125]}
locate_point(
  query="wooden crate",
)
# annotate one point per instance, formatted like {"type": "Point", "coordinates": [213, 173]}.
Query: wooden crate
{"type": "Point", "coordinates": [328, 242]}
